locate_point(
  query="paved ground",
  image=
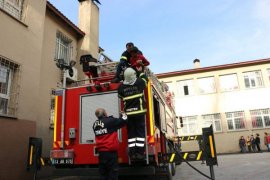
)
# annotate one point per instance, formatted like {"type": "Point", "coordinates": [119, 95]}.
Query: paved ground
{"type": "Point", "coordinates": [255, 166]}
{"type": "Point", "coordinates": [237, 166]}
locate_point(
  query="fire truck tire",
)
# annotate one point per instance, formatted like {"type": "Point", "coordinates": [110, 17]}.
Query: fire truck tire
{"type": "Point", "coordinates": [173, 168]}
{"type": "Point", "coordinates": [163, 173]}
{"type": "Point", "coordinates": [168, 173]}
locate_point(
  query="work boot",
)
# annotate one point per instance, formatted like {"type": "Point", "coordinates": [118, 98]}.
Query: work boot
{"type": "Point", "coordinates": [140, 157]}
{"type": "Point", "coordinates": [133, 157]}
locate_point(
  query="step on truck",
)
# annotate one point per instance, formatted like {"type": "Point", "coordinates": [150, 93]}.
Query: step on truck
{"type": "Point", "coordinates": [74, 149]}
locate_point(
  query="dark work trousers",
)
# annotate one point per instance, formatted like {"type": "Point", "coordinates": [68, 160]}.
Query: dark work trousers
{"type": "Point", "coordinates": [136, 134]}
{"type": "Point", "coordinates": [108, 165]}
{"type": "Point", "coordinates": [258, 147]}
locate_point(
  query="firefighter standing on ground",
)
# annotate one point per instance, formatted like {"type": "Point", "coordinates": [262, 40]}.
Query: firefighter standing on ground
{"type": "Point", "coordinates": [131, 91]}
{"type": "Point", "coordinates": [105, 129]}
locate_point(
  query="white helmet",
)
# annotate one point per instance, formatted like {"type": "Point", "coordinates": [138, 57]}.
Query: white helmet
{"type": "Point", "coordinates": [130, 76]}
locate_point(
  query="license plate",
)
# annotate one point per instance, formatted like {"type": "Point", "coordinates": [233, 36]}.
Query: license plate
{"type": "Point", "coordinates": [62, 161]}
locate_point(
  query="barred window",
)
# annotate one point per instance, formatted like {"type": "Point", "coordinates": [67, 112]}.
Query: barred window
{"type": "Point", "coordinates": [190, 125]}
{"type": "Point", "coordinates": [9, 87]}
{"type": "Point", "coordinates": [236, 120]}
{"type": "Point", "coordinates": [212, 119]}
{"type": "Point", "coordinates": [260, 118]}
{"type": "Point", "coordinates": [13, 7]}
{"type": "Point", "coordinates": [207, 85]}
{"type": "Point", "coordinates": [253, 79]}
{"type": "Point", "coordinates": [63, 48]}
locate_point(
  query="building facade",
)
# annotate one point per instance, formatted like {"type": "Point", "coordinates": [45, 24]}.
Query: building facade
{"type": "Point", "coordinates": [33, 34]}
{"type": "Point", "coordinates": [231, 97]}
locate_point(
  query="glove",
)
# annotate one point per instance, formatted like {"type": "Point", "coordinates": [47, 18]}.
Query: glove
{"type": "Point", "coordinates": [124, 116]}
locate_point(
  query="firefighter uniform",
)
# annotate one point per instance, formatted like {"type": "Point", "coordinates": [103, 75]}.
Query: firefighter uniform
{"type": "Point", "coordinates": [105, 129]}
{"type": "Point", "coordinates": [124, 62]}
{"type": "Point", "coordinates": [132, 93]}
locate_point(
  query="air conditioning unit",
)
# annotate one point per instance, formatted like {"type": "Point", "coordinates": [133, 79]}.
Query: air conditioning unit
{"type": "Point", "coordinates": [74, 77]}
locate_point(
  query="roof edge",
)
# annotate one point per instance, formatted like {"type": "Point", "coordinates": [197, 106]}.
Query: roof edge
{"type": "Point", "coordinates": [60, 15]}
{"type": "Point", "coordinates": [213, 68]}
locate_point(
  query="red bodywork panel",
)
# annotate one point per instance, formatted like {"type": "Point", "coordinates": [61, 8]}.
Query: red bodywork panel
{"type": "Point", "coordinates": [84, 153]}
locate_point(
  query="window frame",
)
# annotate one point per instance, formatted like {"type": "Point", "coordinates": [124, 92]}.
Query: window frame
{"type": "Point", "coordinates": [213, 119]}
{"type": "Point", "coordinates": [63, 41]}
{"type": "Point", "coordinates": [262, 115]}
{"type": "Point", "coordinates": [9, 7]}
{"type": "Point", "coordinates": [214, 90]}
{"type": "Point", "coordinates": [233, 119]}
{"type": "Point", "coordinates": [187, 122]}
{"type": "Point", "coordinates": [253, 78]}
{"type": "Point", "coordinates": [9, 90]}
{"type": "Point", "coordinates": [5, 96]}
{"type": "Point", "coordinates": [230, 88]}
{"type": "Point", "coordinates": [190, 84]}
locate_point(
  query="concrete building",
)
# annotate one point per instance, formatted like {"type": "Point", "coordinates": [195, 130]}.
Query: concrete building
{"type": "Point", "coordinates": [33, 34]}
{"type": "Point", "coordinates": [234, 98]}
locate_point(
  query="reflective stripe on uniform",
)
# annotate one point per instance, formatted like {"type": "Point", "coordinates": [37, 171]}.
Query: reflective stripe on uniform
{"type": "Point", "coordinates": [132, 145]}
{"type": "Point", "coordinates": [132, 140]}
{"type": "Point", "coordinates": [144, 81]}
{"type": "Point", "coordinates": [136, 112]}
{"type": "Point", "coordinates": [141, 103]}
{"type": "Point", "coordinates": [140, 144]}
{"type": "Point", "coordinates": [140, 139]}
{"type": "Point", "coordinates": [133, 96]}
{"type": "Point", "coordinates": [123, 57]}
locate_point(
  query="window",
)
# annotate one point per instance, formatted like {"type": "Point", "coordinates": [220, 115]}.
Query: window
{"type": "Point", "coordinates": [207, 85]}
{"type": "Point", "coordinates": [235, 120]}
{"type": "Point", "coordinates": [63, 48]}
{"type": "Point", "coordinates": [186, 87]}
{"type": "Point", "coordinates": [228, 82]}
{"type": "Point", "coordinates": [9, 88]}
{"type": "Point", "coordinates": [260, 118]}
{"type": "Point", "coordinates": [212, 119]}
{"type": "Point", "coordinates": [190, 125]}
{"type": "Point", "coordinates": [13, 7]}
{"type": "Point", "coordinates": [253, 79]}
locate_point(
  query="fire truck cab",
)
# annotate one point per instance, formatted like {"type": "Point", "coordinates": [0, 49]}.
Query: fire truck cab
{"type": "Point", "coordinates": [74, 114]}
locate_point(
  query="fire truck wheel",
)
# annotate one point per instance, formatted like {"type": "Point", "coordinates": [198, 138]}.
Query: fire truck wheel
{"type": "Point", "coordinates": [169, 171]}
{"type": "Point", "coordinates": [173, 168]}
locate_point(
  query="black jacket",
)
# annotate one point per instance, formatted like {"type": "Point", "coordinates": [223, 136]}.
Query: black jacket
{"type": "Point", "coordinates": [133, 96]}
{"type": "Point", "coordinates": [126, 57]}
{"type": "Point", "coordinates": [105, 130]}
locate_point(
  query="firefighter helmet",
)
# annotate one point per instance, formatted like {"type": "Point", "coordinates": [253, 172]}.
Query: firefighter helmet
{"type": "Point", "coordinates": [130, 76]}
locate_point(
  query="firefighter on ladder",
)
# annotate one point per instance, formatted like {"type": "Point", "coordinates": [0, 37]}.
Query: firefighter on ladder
{"type": "Point", "coordinates": [131, 91]}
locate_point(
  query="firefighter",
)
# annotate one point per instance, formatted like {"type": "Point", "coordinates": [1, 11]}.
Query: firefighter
{"type": "Point", "coordinates": [105, 129]}
{"type": "Point", "coordinates": [124, 62]}
{"type": "Point", "coordinates": [131, 91]}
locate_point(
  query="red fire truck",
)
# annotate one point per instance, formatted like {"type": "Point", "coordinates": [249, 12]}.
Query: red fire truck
{"type": "Point", "coordinates": [74, 141]}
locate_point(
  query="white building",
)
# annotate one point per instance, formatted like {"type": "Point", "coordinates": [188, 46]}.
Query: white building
{"type": "Point", "coordinates": [235, 98]}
